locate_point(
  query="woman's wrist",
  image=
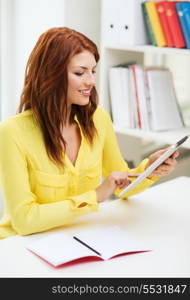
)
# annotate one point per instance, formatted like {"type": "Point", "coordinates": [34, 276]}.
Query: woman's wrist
{"type": "Point", "coordinates": [99, 196]}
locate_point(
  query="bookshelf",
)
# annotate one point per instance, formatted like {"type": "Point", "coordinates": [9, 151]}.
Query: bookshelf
{"type": "Point", "coordinates": [167, 137]}
{"type": "Point", "coordinates": [113, 54]}
{"type": "Point", "coordinates": [150, 49]}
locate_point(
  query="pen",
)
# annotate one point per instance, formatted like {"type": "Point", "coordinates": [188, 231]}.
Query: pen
{"type": "Point", "coordinates": [86, 245]}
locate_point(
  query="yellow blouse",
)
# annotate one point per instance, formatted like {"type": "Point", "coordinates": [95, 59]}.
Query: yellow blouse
{"type": "Point", "coordinates": [38, 195]}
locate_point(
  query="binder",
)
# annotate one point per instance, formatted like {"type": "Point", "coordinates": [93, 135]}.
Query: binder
{"type": "Point", "coordinates": [119, 23]}
{"type": "Point", "coordinates": [132, 23]}
{"type": "Point", "coordinates": [186, 10]}
{"type": "Point", "coordinates": [109, 21]}
{"type": "Point", "coordinates": [182, 11]}
{"type": "Point", "coordinates": [164, 22]}
{"type": "Point", "coordinates": [150, 31]}
{"type": "Point", "coordinates": [155, 23]}
{"type": "Point", "coordinates": [174, 24]}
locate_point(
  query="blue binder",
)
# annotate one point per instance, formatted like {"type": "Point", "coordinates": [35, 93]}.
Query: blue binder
{"type": "Point", "coordinates": [183, 11]}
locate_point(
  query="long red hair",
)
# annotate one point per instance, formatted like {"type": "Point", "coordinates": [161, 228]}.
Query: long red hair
{"type": "Point", "coordinates": [45, 88]}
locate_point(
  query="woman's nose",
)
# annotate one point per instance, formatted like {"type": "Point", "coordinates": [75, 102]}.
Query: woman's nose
{"type": "Point", "coordinates": [90, 80]}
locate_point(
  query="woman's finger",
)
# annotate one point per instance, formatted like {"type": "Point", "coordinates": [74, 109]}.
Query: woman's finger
{"type": "Point", "coordinates": [170, 161]}
{"type": "Point", "coordinates": [175, 154]}
{"type": "Point", "coordinates": [133, 174]}
{"type": "Point", "coordinates": [124, 184]}
{"type": "Point", "coordinates": [162, 171]}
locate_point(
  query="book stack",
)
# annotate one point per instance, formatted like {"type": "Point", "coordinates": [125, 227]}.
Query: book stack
{"type": "Point", "coordinates": [143, 98]}
{"type": "Point", "coordinates": [168, 23]}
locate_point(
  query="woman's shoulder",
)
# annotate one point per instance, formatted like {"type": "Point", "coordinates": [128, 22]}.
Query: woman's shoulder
{"type": "Point", "coordinates": [24, 120]}
{"type": "Point", "coordinates": [101, 114]}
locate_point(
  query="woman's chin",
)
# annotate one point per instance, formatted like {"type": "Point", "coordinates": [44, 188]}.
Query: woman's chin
{"type": "Point", "coordinates": [84, 102]}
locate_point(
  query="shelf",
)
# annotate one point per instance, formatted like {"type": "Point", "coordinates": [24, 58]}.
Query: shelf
{"type": "Point", "coordinates": [167, 137]}
{"type": "Point", "coordinates": [150, 49]}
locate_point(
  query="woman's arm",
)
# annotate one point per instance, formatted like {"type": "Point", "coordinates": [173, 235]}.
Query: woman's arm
{"type": "Point", "coordinates": [113, 161]}
{"type": "Point", "coordinates": [27, 215]}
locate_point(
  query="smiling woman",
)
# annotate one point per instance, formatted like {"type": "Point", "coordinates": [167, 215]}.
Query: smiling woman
{"type": "Point", "coordinates": [55, 151]}
{"type": "Point", "coordinates": [81, 81]}
{"type": "Point", "coordinates": [81, 78]}
{"type": "Point", "coordinates": [52, 86]}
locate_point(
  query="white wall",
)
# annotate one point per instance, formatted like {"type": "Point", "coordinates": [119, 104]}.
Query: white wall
{"type": "Point", "coordinates": [23, 21]}
{"type": "Point", "coordinates": [6, 58]}
{"type": "Point", "coordinates": [84, 16]}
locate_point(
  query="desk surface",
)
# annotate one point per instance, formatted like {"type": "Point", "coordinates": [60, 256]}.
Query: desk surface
{"type": "Point", "coordinates": [159, 218]}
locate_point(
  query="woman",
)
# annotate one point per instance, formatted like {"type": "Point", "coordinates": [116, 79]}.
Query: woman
{"type": "Point", "coordinates": [54, 153]}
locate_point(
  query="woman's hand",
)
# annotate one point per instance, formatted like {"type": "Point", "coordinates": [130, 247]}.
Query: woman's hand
{"type": "Point", "coordinates": [167, 166]}
{"type": "Point", "coordinates": [114, 180]}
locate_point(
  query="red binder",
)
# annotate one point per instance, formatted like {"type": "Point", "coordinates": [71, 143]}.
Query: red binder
{"type": "Point", "coordinates": [174, 24]}
{"type": "Point", "coordinates": [164, 22]}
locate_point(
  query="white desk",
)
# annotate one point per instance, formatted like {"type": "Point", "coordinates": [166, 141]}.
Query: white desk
{"type": "Point", "coordinates": [158, 217]}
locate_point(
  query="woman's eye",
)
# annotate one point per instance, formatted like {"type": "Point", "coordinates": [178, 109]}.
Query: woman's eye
{"type": "Point", "coordinates": [78, 74]}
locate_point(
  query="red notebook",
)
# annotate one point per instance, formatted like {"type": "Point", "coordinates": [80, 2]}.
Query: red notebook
{"type": "Point", "coordinates": [61, 249]}
{"type": "Point", "coordinates": [174, 24]}
{"type": "Point", "coordinates": [164, 22]}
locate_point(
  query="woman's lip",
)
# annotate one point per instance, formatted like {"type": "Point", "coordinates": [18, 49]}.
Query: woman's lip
{"type": "Point", "coordinates": [85, 94]}
{"type": "Point", "coordinates": [85, 90]}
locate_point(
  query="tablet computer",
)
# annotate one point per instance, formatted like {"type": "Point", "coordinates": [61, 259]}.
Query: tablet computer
{"type": "Point", "coordinates": [154, 165]}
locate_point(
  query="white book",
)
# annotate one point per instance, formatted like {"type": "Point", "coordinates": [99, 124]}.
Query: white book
{"type": "Point", "coordinates": [119, 96]}
{"type": "Point", "coordinates": [148, 105]}
{"type": "Point", "coordinates": [165, 110]}
{"type": "Point", "coordinates": [142, 97]}
{"type": "Point", "coordinates": [102, 244]}
{"type": "Point", "coordinates": [133, 103]}
{"type": "Point", "coordinates": [125, 110]}
{"type": "Point", "coordinates": [135, 95]}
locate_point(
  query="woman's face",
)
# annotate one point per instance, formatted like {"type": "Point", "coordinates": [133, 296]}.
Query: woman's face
{"type": "Point", "coordinates": [81, 78]}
